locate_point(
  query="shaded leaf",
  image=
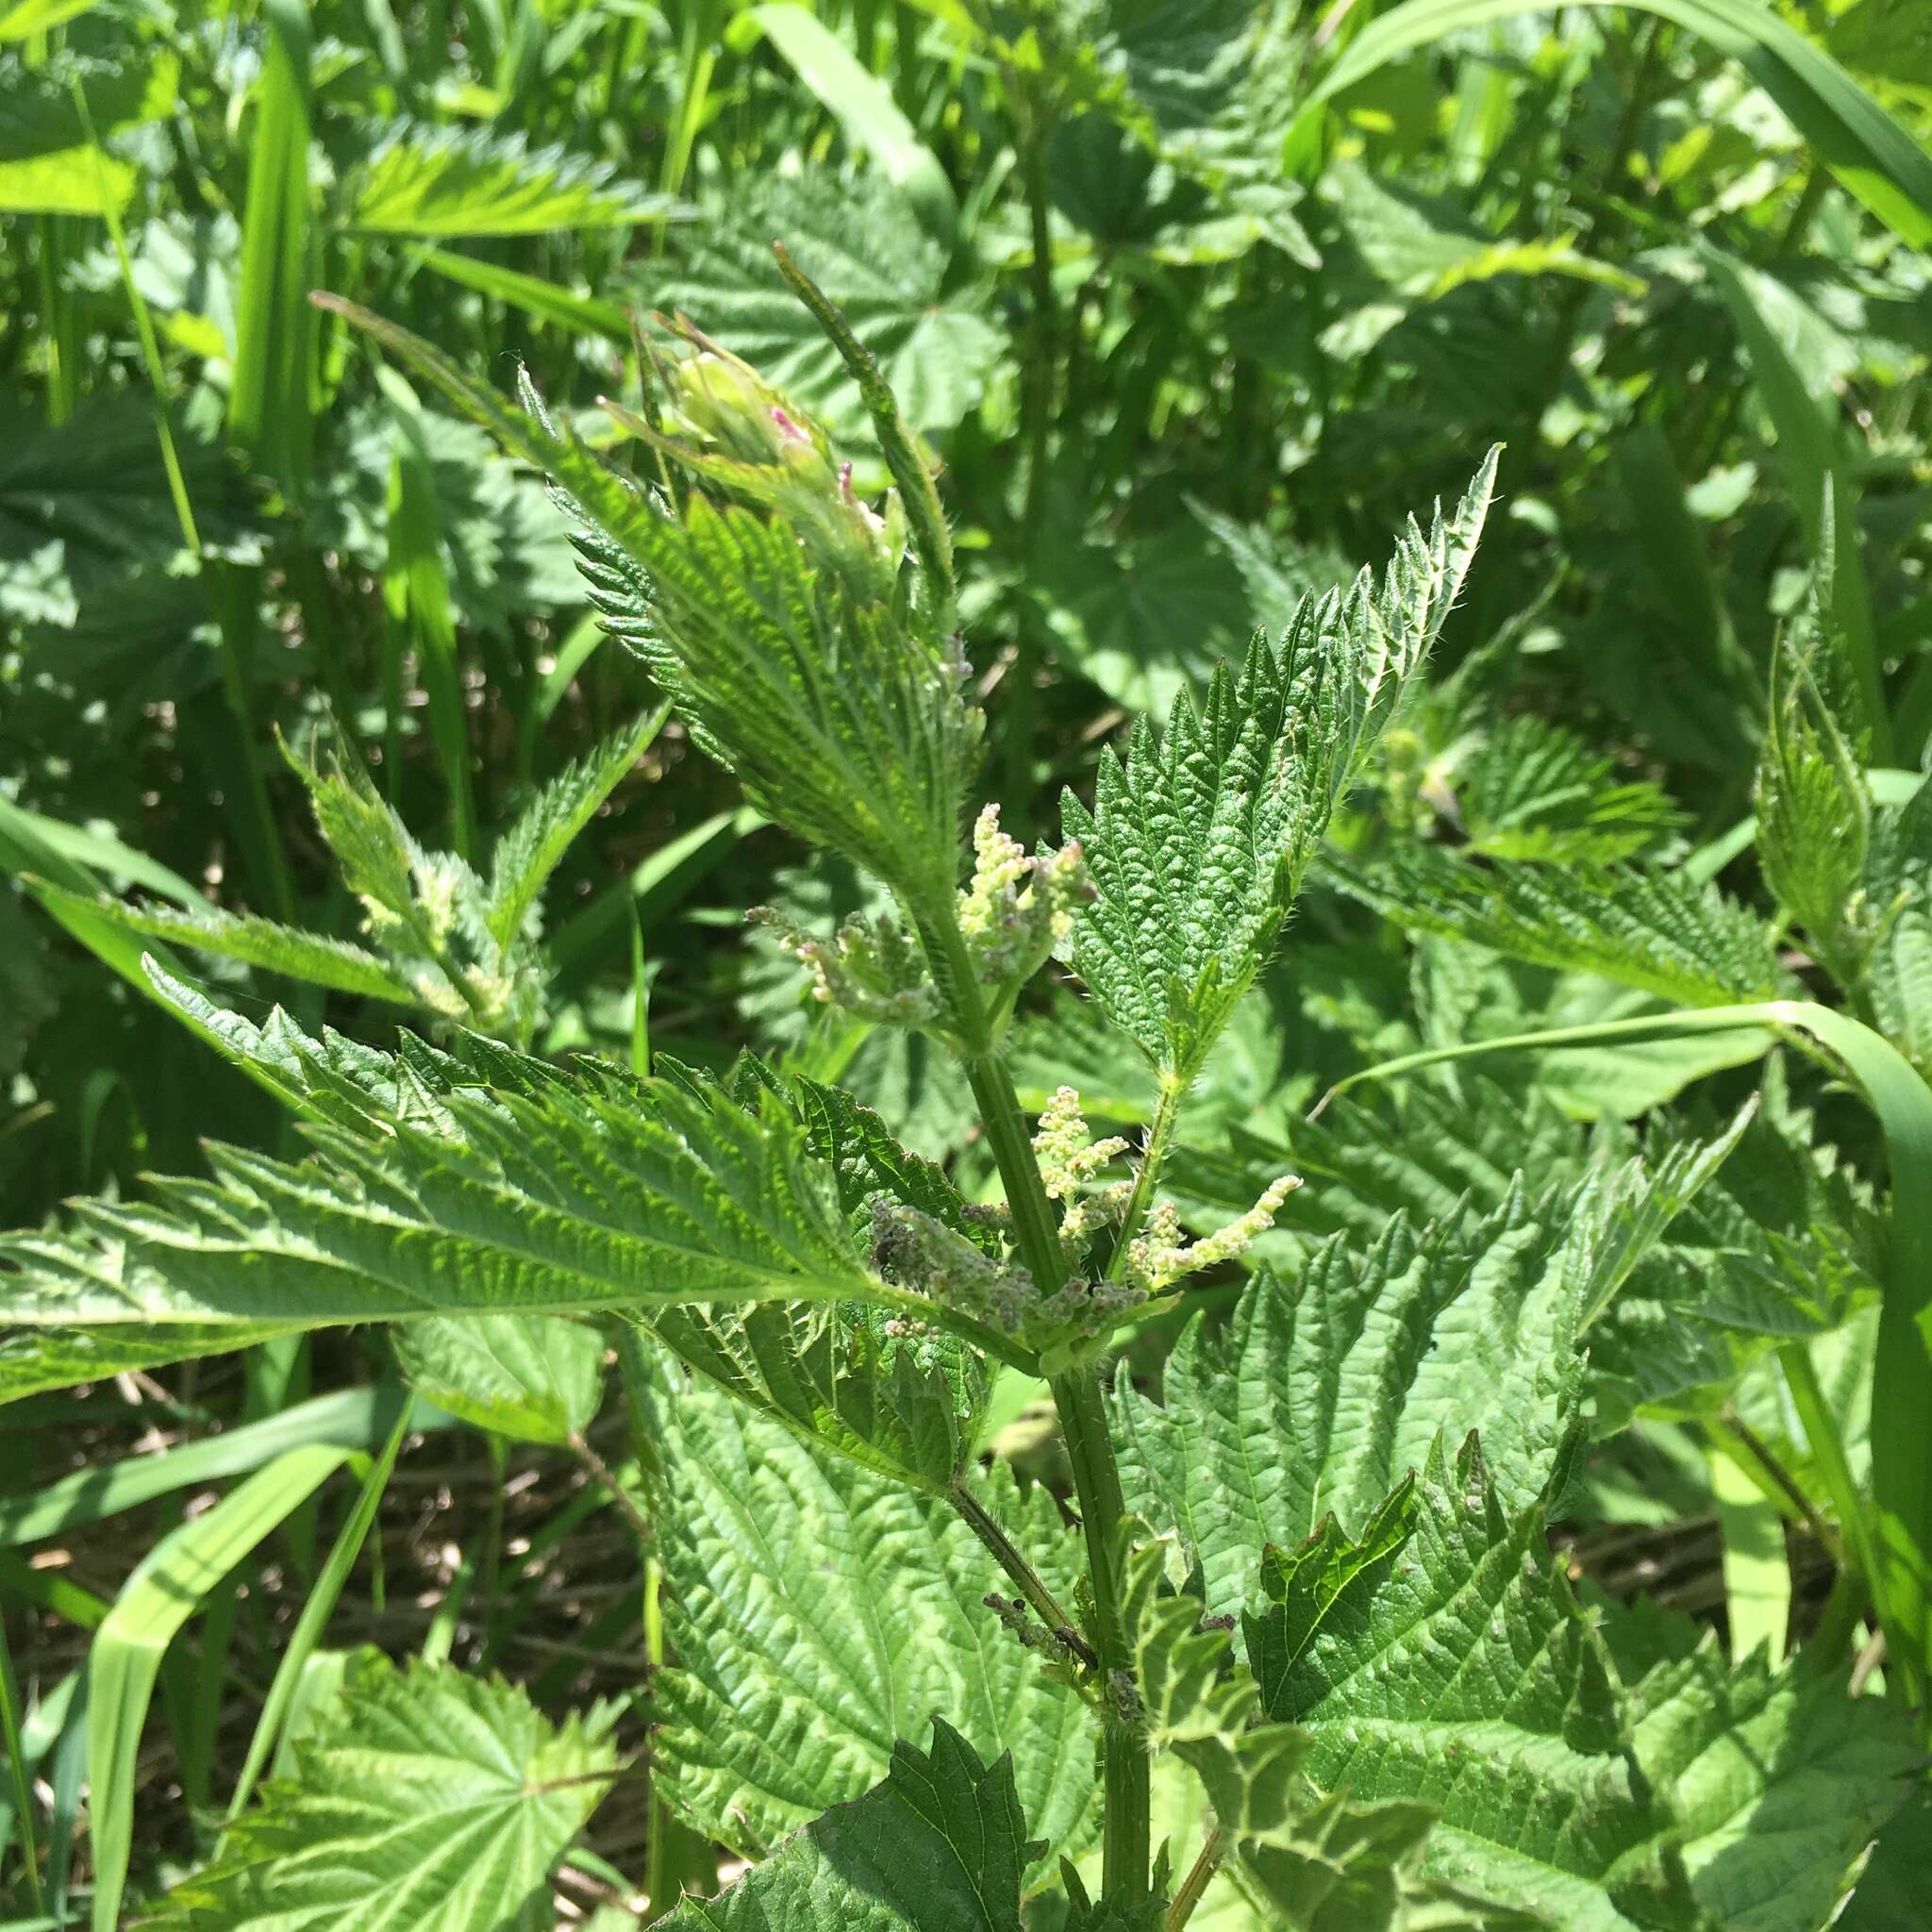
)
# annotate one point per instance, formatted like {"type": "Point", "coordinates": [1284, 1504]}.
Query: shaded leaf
{"type": "Point", "coordinates": [939, 1846]}
{"type": "Point", "coordinates": [535, 1378]}
{"type": "Point", "coordinates": [1780, 1778]}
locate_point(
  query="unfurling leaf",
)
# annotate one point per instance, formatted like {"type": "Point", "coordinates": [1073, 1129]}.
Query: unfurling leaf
{"type": "Point", "coordinates": [803, 666]}
{"type": "Point", "coordinates": [1197, 841]}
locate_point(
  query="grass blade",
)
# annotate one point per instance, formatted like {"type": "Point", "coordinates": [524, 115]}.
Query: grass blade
{"type": "Point", "coordinates": [546, 301]}
{"type": "Point", "coordinates": [315, 1615]}
{"type": "Point", "coordinates": [1805, 412]}
{"type": "Point", "coordinates": [169, 1584]}
{"type": "Point", "coordinates": [415, 585]}
{"type": "Point", "coordinates": [16, 1764]}
{"type": "Point", "coordinates": [1757, 1575]}
{"type": "Point", "coordinates": [351, 1419]}
{"type": "Point", "coordinates": [860, 103]}
{"type": "Point", "coordinates": [269, 399]}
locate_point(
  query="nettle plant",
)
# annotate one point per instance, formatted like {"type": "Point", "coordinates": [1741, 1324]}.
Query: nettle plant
{"type": "Point", "coordinates": [1303, 1655]}
{"type": "Point", "coordinates": [443, 939]}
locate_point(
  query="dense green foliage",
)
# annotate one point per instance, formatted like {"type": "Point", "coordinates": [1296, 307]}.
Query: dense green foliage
{"type": "Point", "coordinates": [1060, 1066]}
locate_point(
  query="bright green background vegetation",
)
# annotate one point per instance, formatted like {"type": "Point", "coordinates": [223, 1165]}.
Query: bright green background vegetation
{"type": "Point", "coordinates": [304, 697]}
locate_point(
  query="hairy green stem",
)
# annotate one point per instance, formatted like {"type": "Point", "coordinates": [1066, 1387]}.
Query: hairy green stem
{"type": "Point", "coordinates": [1124, 1747]}
{"type": "Point", "coordinates": [1026, 1579]}
{"type": "Point", "coordinates": [1076, 1397]}
{"type": "Point", "coordinates": [926, 518]}
{"type": "Point", "coordinates": [1199, 1876]}
{"type": "Point", "coordinates": [1167, 1113]}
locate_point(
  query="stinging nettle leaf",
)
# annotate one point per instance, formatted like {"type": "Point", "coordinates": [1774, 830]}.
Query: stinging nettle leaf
{"type": "Point", "coordinates": [1658, 931]}
{"type": "Point", "coordinates": [1351, 1374]}
{"type": "Point", "coordinates": [1781, 1780]}
{"type": "Point", "coordinates": [534, 846]}
{"type": "Point", "coordinates": [512, 1189]}
{"type": "Point", "coordinates": [534, 1378]}
{"type": "Point", "coordinates": [337, 964]}
{"type": "Point", "coordinates": [797, 1580]}
{"type": "Point", "coordinates": [902, 1406]}
{"type": "Point", "coordinates": [426, 1792]}
{"type": "Point", "coordinates": [799, 665]}
{"type": "Point", "coordinates": [450, 181]}
{"type": "Point", "coordinates": [1534, 790]}
{"type": "Point", "coordinates": [1319, 1862]}
{"type": "Point", "coordinates": [938, 1846]}
{"type": "Point", "coordinates": [1197, 841]}
{"type": "Point", "coordinates": [1459, 1673]}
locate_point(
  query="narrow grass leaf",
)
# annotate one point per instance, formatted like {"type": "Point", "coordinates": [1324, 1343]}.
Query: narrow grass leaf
{"type": "Point", "coordinates": [171, 1583]}
{"type": "Point", "coordinates": [316, 1611]}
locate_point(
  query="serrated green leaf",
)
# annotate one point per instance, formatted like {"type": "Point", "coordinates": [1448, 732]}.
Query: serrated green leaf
{"type": "Point", "coordinates": [1312, 1862]}
{"type": "Point", "coordinates": [1655, 930]}
{"type": "Point", "coordinates": [38, 1359]}
{"type": "Point", "coordinates": [1814, 819]}
{"type": "Point", "coordinates": [838, 725]}
{"type": "Point", "coordinates": [868, 1161]}
{"type": "Point", "coordinates": [841, 710]}
{"type": "Point", "coordinates": [939, 1846]}
{"type": "Point", "coordinates": [284, 949]}
{"type": "Point", "coordinates": [1419, 1149]}
{"type": "Point", "coordinates": [1197, 843]}
{"type": "Point", "coordinates": [1350, 1374]}
{"type": "Point", "coordinates": [902, 1407]}
{"type": "Point", "coordinates": [1627, 1216]}
{"type": "Point", "coordinates": [1778, 1246]}
{"type": "Point", "coordinates": [534, 846]}
{"type": "Point", "coordinates": [1780, 1778]}
{"type": "Point", "coordinates": [1534, 790]}
{"type": "Point", "coordinates": [798, 1581]}
{"type": "Point", "coordinates": [1459, 1673]}
{"type": "Point", "coordinates": [445, 181]}
{"type": "Point", "coordinates": [514, 1188]}
{"type": "Point", "coordinates": [535, 1378]}
{"type": "Point", "coordinates": [427, 1793]}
